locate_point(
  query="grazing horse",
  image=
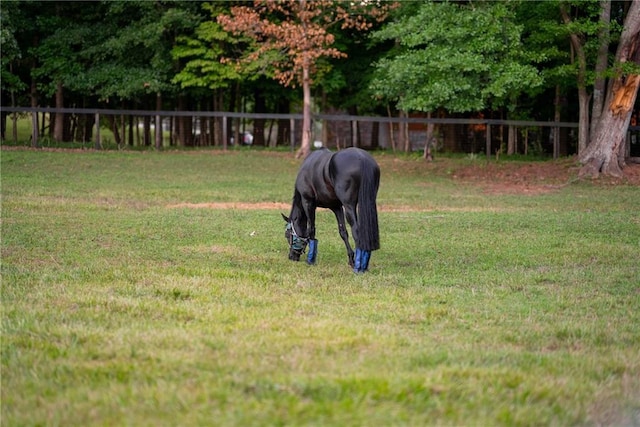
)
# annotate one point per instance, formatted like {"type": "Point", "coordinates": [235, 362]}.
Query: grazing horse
{"type": "Point", "coordinates": [347, 183]}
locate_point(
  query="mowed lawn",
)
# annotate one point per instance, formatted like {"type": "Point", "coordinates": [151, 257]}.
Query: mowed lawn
{"type": "Point", "coordinates": [153, 289]}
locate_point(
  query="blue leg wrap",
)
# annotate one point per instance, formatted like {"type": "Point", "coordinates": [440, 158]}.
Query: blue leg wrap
{"type": "Point", "coordinates": [364, 264]}
{"type": "Point", "coordinates": [361, 261]}
{"type": "Point", "coordinates": [313, 251]}
{"type": "Point", "coordinates": [357, 261]}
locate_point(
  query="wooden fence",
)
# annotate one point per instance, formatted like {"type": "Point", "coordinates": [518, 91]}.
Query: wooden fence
{"type": "Point", "coordinates": [348, 126]}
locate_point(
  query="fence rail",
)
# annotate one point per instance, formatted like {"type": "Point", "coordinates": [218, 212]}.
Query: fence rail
{"type": "Point", "coordinates": [485, 124]}
{"type": "Point", "coordinates": [275, 116]}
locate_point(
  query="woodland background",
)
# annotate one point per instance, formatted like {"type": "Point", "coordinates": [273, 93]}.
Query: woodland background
{"type": "Point", "coordinates": [517, 60]}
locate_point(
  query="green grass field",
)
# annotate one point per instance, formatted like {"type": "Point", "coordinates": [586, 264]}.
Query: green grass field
{"type": "Point", "coordinates": [153, 289]}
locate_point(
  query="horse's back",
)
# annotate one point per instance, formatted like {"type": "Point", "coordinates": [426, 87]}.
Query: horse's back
{"type": "Point", "coordinates": [350, 163]}
{"type": "Point", "coordinates": [334, 178]}
{"type": "Point", "coordinates": [316, 159]}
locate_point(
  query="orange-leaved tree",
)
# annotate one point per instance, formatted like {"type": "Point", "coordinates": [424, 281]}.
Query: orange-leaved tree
{"type": "Point", "coordinates": [292, 35]}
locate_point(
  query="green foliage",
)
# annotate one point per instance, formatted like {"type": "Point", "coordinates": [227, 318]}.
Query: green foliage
{"type": "Point", "coordinates": [202, 55]}
{"type": "Point", "coordinates": [135, 58]}
{"type": "Point", "coordinates": [126, 300]}
{"type": "Point", "coordinates": [346, 84]}
{"type": "Point", "coordinates": [59, 59]}
{"type": "Point", "coordinates": [460, 57]}
{"type": "Point", "coordinates": [11, 52]}
{"type": "Point", "coordinates": [546, 38]}
{"type": "Point", "coordinates": [114, 49]}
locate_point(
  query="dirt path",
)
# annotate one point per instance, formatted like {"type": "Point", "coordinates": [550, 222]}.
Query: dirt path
{"type": "Point", "coordinates": [534, 177]}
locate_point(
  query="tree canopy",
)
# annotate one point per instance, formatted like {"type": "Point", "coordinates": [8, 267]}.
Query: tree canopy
{"type": "Point", "coordinates": [455, 56]}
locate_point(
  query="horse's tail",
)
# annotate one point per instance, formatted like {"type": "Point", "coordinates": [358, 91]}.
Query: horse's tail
{"type": "Point", "coordinates": [368, 233]}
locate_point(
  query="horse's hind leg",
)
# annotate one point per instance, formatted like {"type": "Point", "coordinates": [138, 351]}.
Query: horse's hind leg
{"type": "Point", "coordinates": [361, 258]}
{"type": "Point", "coordinates": [349, 213]}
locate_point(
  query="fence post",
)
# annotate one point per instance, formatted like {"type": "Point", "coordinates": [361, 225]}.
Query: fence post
{"type": "Point", "coordinates": [354, 133]}
{"type": "Point", "coordinates": [292, 133]}
{"type": "Point", "coordinates": [224, 133]}
{"type": "Point", "coordinates": [34, 129]}
{"type": "Point", "coordinates": [98, 145]}
{"type": "Point", "coordinates": [488, 142]}
{"type": "Point", "coordinates": [158, 132]}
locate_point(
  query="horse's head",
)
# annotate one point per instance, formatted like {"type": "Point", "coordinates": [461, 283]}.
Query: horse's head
{"type": "Point", "coordinates": [297, 243]}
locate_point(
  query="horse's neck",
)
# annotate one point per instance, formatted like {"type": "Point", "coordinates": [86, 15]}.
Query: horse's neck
{"type": "Point", "coordinates": [297, 211]}
{"type": "Point", "coordinates": [298, 215]}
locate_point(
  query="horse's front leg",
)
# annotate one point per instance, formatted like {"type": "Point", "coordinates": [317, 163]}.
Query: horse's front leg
{"type": "Point", "coordinates": [342, 229]}
{"type": "Point", "coordinates": [310, 210]}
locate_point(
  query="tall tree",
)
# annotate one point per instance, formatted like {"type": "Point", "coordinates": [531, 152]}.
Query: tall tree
{"type": "Point", "coordinates": [603, 154]}
{"type": "Point", "coordinates": [133, 61]}
{"type": "Point", "coordinates": [586, 24]}
{"type": "Point", "coordinates": [202, 54]}
{"type": "Point", "coordinates": [458, 56]}
{"type": "Point", "coordinates": [293, 35]}
{"type": "Point", "coordinates": [10, 81]}
{"type": "Point", "coordinates": [63, 30]}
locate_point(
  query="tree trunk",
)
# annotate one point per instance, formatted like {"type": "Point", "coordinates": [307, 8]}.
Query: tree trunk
{"type": "Point", "coordinates": [324, 137]}
{"type": "Point", "coordinates": [583, 95]}
{"type": "Point", "coordinates": [3, 124]}
{"type": "Point", "coordinates": [260, 106]}
{"type": "Point", "coordinates": [14, 121]}
{"type": "Point", "coordinates": [84, 132]}
{"type": "Point", "coordinates": [130, 130]}
{"type": "Point", "coordinates": [98, 143]}
{"type": "Point", "coordinates": [391, 130]}
{"type": "Point", "coordinates": [305, 145]}
{"type": "Point", "coordinates": [113, 121]}
{"type": "Point", "coordinates": [236, 106]}
{"type": "Point", "coordinates": [428, 156]}
{"type": "Point", "coordinates": [284, 125]}
{"type": "Point", "coordinates": [583, 120]}
{"type": "Point", "coordinates": [146, 133]}
{"type": "Point", "coordinates": [158, 122]}
{"type": "Point", "coordinates": [58, 127]}
{"type": "Point", "coordinates": [601, 64]}
{"type": "Point", "coordinates": [218, 105]}
{"type": "Point", "coordinates": [602, 153]}
{"type": "Point", "coordinates": [123, 128]}
{"type": "Point", "coordinates": [375, 135]}
{"type": "Point", "coordinates": [511, 140]}
{"type": "Point", "coordinates": [181, 122]}
{"type": "Point", "coordinates": [601, 156]}
{"type": "Point", "coordinates": [403, 134]}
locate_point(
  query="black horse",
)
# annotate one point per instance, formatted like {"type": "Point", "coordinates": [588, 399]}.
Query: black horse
{"type": "Point", "coordinates": [347, 183]}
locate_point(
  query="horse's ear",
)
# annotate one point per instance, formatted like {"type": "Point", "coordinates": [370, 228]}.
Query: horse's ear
{"type": "Point", "coordinates": [287, 220]}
